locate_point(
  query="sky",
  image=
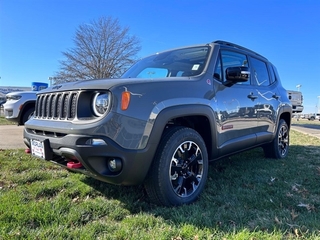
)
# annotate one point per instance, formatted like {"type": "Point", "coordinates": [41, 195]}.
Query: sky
{"type": "Point", "coordinates": [34, 33]}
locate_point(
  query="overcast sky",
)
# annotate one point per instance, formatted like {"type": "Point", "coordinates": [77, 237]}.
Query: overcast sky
{"type": "Point", "coordinates": [33, 33]}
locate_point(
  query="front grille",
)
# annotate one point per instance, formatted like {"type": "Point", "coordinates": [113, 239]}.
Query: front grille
{"type": "Point", "coordinates": [60, 105]}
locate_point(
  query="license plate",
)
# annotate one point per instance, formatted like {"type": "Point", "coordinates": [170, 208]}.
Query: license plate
{"type": "Point", "coordinates": [37, 148]}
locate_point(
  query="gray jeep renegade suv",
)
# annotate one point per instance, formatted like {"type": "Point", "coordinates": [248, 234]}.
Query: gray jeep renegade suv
{"type": "Point", "coordinates": [165, 119]}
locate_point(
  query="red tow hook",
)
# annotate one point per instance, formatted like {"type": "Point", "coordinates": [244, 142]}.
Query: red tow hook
{"type": "Point", "coordinates": [74, 165]}
{"type": "Point", "coordinates": [28, 151]}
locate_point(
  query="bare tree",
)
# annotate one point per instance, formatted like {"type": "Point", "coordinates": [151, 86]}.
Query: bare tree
{"type": "Point", "coordinates": [103, 49]}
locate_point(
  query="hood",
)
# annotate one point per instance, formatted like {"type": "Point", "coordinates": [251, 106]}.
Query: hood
{"type": "Point", "coordinates": [97, 84]}
{"type": "Point", "coordinates": [22, 93]}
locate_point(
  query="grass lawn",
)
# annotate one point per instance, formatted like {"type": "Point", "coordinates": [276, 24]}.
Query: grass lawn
{"type": "Point", "coordinates": [4, 121]}
{"type": "Point", "coordinates": [246, 197]}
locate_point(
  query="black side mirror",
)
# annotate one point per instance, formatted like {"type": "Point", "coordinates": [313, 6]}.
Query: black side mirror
{"type": "Point", "coordinates": [237, 74]}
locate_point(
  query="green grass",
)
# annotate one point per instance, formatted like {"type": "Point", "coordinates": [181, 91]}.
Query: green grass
{"type": "Point", "coordinates": [4, 121]}
{"type": "Point", "coordinates": [247, 197]}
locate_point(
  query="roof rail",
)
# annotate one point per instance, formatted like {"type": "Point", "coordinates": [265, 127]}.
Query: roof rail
{"type": "Point", "coordinates": [237, 46]}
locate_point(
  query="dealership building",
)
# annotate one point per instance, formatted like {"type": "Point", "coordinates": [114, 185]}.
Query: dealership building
{"type": "Point", "coordinates": [35, 86]}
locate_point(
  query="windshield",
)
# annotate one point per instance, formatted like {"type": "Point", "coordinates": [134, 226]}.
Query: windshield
{"type": "Point", "coordinates": [176, 63]}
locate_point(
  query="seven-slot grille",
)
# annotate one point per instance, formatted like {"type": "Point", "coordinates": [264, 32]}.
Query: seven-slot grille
{"type": "Point", "coordinates": [60, 105]}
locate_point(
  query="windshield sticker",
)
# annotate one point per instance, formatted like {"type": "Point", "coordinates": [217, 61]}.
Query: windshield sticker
{"type": "Point", "coordinates": [195, 67]}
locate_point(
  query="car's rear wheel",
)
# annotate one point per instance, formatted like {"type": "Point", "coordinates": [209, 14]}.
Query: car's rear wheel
{"type": "Point", "coordinates": [279, 147]}
{"type": "Point", "coordinates": [179, 170]}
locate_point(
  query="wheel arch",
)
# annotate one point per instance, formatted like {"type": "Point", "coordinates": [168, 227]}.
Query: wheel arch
{"type": "Point", "coordinates": [198, 117]}
{"type": "Point", "coordinates": [285, 113]}
{"type": "Point", "coordinates": [25, 107]}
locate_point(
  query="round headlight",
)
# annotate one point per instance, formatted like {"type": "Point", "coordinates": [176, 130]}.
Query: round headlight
{"type": "Point", "coordinates": [100, 103]}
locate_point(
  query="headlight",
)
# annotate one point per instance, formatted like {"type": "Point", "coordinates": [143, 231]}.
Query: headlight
{"type": "Point", "coordinates": [13, 97]}
{"type": "Point", "coordinates": [100, 104]}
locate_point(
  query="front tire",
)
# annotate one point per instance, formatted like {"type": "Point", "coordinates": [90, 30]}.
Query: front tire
{"type": "Point", "coordinates": [279, 147]}
{"type": "Point", "coordinates": [27, 115]}
{"type": "Point", "coordinates": [180, 168]}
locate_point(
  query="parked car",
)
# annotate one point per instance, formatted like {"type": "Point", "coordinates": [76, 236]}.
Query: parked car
{"type": "Point", "coordinates": [1, 103]}
{"type": "Point", "coordinates": [165, 119]}
{"type": "Point", "coordinates": [314, 117]}
{"type": "Point", "coordinates": [19, 106]}
{"type": "Point", "coordinates": [296, 99]}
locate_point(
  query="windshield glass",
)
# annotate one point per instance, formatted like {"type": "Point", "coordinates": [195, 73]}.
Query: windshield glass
{"type": "Point", "coordinates": [176, 63]}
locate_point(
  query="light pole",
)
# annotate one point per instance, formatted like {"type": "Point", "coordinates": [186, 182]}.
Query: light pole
{"type": "Point", "coordinates": [50, 80]}
{"type": "Point", "coordinates": [54, 79]}
{"type": "Point", "coordinates": [299, 86]}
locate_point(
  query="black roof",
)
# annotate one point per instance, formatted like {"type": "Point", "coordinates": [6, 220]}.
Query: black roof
{"type": "Point", "coordinates": [236, 46]}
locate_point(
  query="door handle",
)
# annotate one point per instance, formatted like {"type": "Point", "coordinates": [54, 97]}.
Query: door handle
{"type": "Point", "coordinates": [252, 97]}
{"type": "Point", "coordinates": [275, 96]}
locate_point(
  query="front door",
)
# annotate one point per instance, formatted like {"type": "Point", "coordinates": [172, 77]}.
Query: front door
{"type": "Point", "coordinates": [236, 114]}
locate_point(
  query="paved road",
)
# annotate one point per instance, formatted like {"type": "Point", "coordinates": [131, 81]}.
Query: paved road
{"type": "Point", "coordinates": [11, 136]}
{"type": "Point", "coordinates": [313, 130]}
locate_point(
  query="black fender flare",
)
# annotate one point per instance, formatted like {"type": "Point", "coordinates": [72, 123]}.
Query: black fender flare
{"type": "Point", "coordinates": [181, 111]}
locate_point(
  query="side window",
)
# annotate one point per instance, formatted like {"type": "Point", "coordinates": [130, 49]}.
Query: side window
{"type": "Point", "coordinates": [275, 71]}
{"type": "Point", "coordinates": [272, 74]}
{"type": "Point", "coordinates": [259, 72]}
{"type": "Point", "coordinates": [233, 59]}
{"type": "Point", "coordinates": [217, 70]}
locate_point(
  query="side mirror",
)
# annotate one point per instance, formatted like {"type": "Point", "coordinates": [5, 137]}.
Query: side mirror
{"type": "Point", "coordinates": [237, 74]}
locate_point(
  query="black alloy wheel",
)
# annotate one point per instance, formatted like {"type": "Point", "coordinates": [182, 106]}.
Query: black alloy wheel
{"type": "Point", "coordinates": [179, 170]}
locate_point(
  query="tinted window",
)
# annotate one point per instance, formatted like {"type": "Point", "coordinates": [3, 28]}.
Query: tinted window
{"type": "Point", "coordinates": [217, 70]}
{"type": "Point", "coordinates": [259, 72]}
{"type": "Point", "coordinates": [275, 71]}
{"type": "Point", "coordinates": [272, 74]}
{"type": "Point", "coordinates": [229, 59]}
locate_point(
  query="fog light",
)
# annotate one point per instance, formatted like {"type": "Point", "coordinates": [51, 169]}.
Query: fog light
{"type": "Point", "coordinates": [9, 113]}
{"type": "Point", "coordinates": [114, 164]}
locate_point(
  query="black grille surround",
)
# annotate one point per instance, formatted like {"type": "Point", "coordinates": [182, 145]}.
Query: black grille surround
{"type": "Point", "coordinates": [57, 105]}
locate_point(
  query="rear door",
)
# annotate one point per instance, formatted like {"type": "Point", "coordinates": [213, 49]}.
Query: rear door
{"type": "Point", "coordinates": [266, 105]}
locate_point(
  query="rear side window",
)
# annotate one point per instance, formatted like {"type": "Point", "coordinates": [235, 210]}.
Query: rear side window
{"type": "Point", "coordinates": [259, 72]}
{"type": "Point", "coordinates": [272, 74]}
{"type": "Point", "coordinates": [275, 71]}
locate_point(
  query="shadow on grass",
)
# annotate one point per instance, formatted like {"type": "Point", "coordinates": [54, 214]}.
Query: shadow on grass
{"type": "Point", "coordinates": [244, 191]}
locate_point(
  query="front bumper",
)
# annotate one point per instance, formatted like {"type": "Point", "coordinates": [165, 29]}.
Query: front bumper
{"type": "Point", "coordinates": [70, 148]}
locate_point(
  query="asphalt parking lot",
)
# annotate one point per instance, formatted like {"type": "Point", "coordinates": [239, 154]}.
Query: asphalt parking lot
{"type": "Point", "coordinates": [313, 130]}
{"type": "Point", "coordinates": [11, 137]}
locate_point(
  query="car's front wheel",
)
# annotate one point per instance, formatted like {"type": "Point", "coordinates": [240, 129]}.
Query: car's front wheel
{"type": "Point", "coordinates": [27, 115]}
{"type": "Point", "coordinates": [179, 170]}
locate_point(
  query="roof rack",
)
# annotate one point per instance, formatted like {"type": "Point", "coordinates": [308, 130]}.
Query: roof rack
{"type": "Point", "coordinates": [236, 46]}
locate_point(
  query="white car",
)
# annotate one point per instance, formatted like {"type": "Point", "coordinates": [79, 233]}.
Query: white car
{"type": "Point", "coordinates": [314, 117]}
{"type": "Point", "coordinates": [19, 106]}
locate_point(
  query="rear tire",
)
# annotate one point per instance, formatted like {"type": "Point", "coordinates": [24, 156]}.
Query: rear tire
{"type": "Point", "coordinates": [180, 168]}
{"type": "Point", "coordinates": [279, 147]}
